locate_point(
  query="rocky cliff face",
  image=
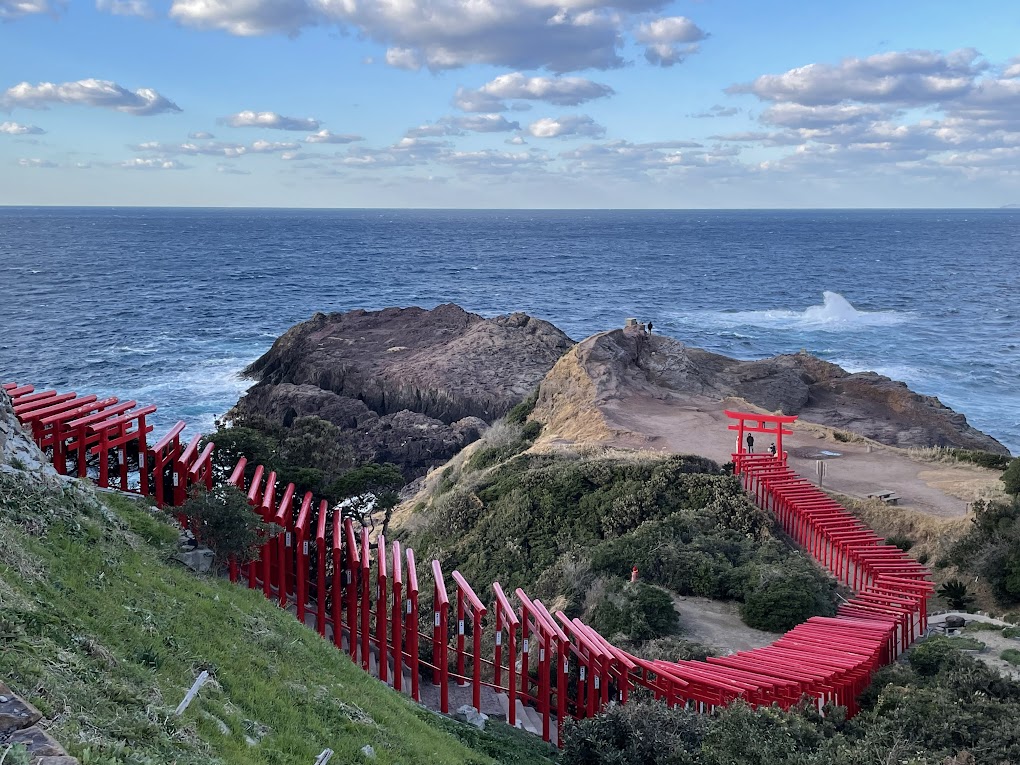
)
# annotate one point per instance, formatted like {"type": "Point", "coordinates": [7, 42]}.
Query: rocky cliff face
{"type": "Point", "coordinates": [622, 363]}
{"type": "Point", "coordinates": [409, 385]}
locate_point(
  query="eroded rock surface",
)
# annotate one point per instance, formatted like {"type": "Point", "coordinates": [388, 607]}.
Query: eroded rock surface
{"type": "Point", "coordinates": [616, 365]}
{"type": "Point", "coordinates": [407, 385]}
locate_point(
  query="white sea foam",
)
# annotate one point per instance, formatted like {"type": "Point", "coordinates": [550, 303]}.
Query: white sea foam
{"type": "Point", "coordinates": [835, 314]}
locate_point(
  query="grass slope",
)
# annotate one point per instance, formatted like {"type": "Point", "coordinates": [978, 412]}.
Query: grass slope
{"type": "Point", "coordinates": [105, 635]}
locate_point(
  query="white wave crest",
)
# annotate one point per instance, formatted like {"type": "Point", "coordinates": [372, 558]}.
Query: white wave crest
{"type": "Point", "coordinates": [835, 314]}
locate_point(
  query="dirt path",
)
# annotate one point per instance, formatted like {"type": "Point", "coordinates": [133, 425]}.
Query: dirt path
{"type": "Point", "coordinates": [699, 425]}
{"type": "Point", "coordinates": [717, 624]}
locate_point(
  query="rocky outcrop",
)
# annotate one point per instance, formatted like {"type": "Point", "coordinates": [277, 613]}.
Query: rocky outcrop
{"type": "Point", "coordinates": [407, 385]}
{"type": "Point", "coordinates": [18, 452]}
{"type": "Point", "coordinates": [625, 363]}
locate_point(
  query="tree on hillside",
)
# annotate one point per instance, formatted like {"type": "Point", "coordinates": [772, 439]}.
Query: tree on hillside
{"type": "Point", "coordinates": [223, 520]}
{"type": "Point", "coordinates": [1011, 478]}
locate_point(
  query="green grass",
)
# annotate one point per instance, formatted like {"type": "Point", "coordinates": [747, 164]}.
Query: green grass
{"type": "Point", "coordinates": [967, 644]}
{"type": "Point", "coordinates": [983, 627]}
{"type": "Point", "coordinates": [105, 635]}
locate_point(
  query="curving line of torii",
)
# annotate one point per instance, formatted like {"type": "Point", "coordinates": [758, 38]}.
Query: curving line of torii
{"type": "Point", "coordinates": [323, 570]}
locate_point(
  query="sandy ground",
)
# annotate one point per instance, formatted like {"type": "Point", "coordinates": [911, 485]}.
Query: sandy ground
{"type": "Point", "coordinates": [699, 426]}
{"type": "Point", "coordinates": [717, 624]}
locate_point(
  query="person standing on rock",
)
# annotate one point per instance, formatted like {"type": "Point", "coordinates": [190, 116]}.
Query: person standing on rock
{"type": "Point", "coordinates": [750, 444]}
{"type": "Point", "coordinates": [649, 328]}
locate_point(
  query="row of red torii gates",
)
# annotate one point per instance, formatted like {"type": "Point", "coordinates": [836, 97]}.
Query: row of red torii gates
{"type": "Point", "coordinates": [364, 596]}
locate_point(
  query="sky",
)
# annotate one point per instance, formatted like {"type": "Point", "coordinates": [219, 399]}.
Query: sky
{"type": "Point", "coordinates": [510, 103]}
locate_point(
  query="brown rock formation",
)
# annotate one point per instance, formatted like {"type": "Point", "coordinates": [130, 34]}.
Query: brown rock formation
{"type": "Point", "coordinates": [620, 364]}
{"type": "Point", "coordinates": [409, 386]}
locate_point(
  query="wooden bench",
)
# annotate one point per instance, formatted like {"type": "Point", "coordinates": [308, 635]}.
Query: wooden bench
{"type": "Point", "coordinates": [888, 497]}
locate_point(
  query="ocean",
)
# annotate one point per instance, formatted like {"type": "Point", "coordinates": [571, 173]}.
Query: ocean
{"type": "Point", "coordinates": [166, 306]}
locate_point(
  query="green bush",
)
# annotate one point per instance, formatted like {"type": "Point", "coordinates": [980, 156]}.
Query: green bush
{"type": "Point", "coordinates": [902, 542]}
{"type": "Point", "coordinates": [520, 413]}
{"type": "Point", "coordinates": [984, 459]}
{"type": "Point", "coordinates": [532, 430]}
{"type": "Point", "coordinates": [1011, 478]}
{"type": "Point", "coordinates": [686, 527]}
{"type": "Point", "coordinates": [783, 597]}
{"type": "Point", "coordinates": [928, 657]}
{"type": "Point", "coordinates": [223, 520]}
{"type": "Point", "coordinates": [1011, 655]}
{"type": "Point", "coordinates": [639, 612]}
{"type": "Point", "coordinates": [1011, 632]}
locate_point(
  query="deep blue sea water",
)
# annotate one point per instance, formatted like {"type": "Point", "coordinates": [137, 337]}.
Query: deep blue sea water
{"type": "Point", "coordinates": [167, 305]}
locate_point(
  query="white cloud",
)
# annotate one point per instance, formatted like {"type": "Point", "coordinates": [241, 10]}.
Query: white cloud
{"type": "Point", "coordinates": [486, 123]}
{"type": "Point", "coordinates": [452, 126]}
{"type": "Point", "coordinates": [490, 162]}
{"type": "Point", "coordinates": [231, 170]}
{"type": "Point", "coordinates": [216, 148]}
{"type": "Point", "coordinates": [91, 92]}
{"type": "Point", "coordinates": [200, 135]}
{"type": "Point", "coordinates": [797, 115]}
{"type": "Point", "coordinates": [565, 127]}
{"type": "Point", "coordinates": [717, 111]}
{"type": "Point", "coordinates": [270, 120]}
{"type": "Point", "coordinates": [909, 77]}
{"type": "Point", "coordinates": [669, 40]}
{"type": "Point", "coordinates": [15, 9]}
{"type": "Point", "coordinates": [559, 35]}
{"type": "Point", "coordinates": [36, 163]}
{"type": "Point", "coordinates": [156, 163]}
{"type": "Point", "coordinates": [14, 128]}
{"type": "Point", "coordinates": [324, 136]}
{"type": "Point", "coordinates": [125, 7]}
{"type": "Point", "coordinates": [562, 91]}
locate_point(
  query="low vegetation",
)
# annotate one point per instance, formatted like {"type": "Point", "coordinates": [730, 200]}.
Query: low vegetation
{"type": "Point", "coordinates": [941, 708]}
{"type": "Point", "coordinates": [991, 548]}
{"type": "Point", "coordinates": [569, 529]}
{"type": "Point", "coordinates": [104, 633]}
{"type": "Point", "coordinates": [315, 456]}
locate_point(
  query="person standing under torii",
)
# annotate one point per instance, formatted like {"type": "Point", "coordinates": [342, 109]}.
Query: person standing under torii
{"type": "Point", "coordinates": [750, 444]}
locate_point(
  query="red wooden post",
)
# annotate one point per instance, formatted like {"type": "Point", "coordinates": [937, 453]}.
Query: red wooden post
{"type": "Point", "coordinates": [440, 651]}
{"type": "Point", "coordinates": [237, 480]}
{"type": "Point", "coordinates": [353, 570]}
{"type": "Point", "coordinates": [255, 500]}
{"type": "Point", "coordinates": [381, 606]}
{"type": "Point", "coordinates": [181, 467]}
{"type": "Point", "coordinates": [505, 613]}
{"type": "Point", "coordinates": [467, 597]}
{"type": "Point", "coordinates": [284, 543]}
{"type": "Point", "coordinates": [320, 578]}
{"type": "Point", "coordinates": [366, 602]}
{"type": "Point", "coordinates": [301, 555]}
{"type": "Point", "coordinates": [412, 623]}
{"type": "Point", "coordinates": [396, 619]}
{"type": "Point", "coordinates": [337, 589]}
{"type": "Point", "coordinates": [268, 513]}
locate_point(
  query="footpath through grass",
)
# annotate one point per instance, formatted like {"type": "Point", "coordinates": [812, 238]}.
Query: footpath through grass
{"type": "Point", "coordinates": [102, 632]}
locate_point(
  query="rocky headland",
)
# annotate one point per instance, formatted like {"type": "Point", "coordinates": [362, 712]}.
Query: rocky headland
{"type": "Point", "coordinates": [413, 386]}
{"type": "Point", "coordinates": [601, 376]}
{"type": "Point", "coordinates": [406, 385]}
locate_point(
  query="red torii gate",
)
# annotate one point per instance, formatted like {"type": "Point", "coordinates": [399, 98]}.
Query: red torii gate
{"type": "Point", "coordinates": [770, 424]}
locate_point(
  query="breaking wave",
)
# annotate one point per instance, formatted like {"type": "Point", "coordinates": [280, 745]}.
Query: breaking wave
{"type": "Point", "coordinates": [836, 314]}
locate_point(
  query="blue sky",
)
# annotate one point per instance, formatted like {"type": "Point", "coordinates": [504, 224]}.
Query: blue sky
{"type": "Point", "coordinates": [493, 103]}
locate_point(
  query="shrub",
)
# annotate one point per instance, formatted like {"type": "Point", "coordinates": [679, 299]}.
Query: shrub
{"type": "Point", "coordinates": [1011, 478]}
{"type": "Point", "coordinates": [1011, 632]}
{"type": "Point", "coordinates": [531, 431]}
{"type": "Point", "coordinates": [783, 598]}
{"type": "Point", "coordinates": [984, 459]}
{"type": "Point", "coordinates": [223, 520]}
{"type": "Point", "coordinates": [902, 542]}
{"type": "Point", "coordinates": [955, 594]}
{"type": "Point", "coordinates": [520, 413]}
{"type": "Point", "coordinates": [639, 612]}
{"type": "Point", "coordinates": [1011, 655]}
{"type": "Point", "coordinates": [929, 656]}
